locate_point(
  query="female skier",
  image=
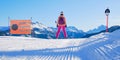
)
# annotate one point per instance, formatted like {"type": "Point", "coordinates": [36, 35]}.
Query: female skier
{"type": "Point", "coordinates": [61, 24]}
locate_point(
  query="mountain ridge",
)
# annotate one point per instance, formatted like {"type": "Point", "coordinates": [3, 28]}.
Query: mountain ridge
{"type": "Point", "coordinates": [39, 30]}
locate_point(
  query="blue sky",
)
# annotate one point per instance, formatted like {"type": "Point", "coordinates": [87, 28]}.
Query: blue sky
{"type": "Point", "coordinates": [83, 14]}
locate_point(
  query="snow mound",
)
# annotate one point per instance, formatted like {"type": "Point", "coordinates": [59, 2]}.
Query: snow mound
{"type": "Point", "coordinates": [10, 43]}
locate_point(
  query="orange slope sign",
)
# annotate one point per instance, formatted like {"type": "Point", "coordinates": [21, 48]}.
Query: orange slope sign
{"type": "Point", "coordinates": [20, 26]}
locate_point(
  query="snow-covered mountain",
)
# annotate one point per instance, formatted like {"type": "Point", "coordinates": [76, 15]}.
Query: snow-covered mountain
{"type": "Point", "coordinates": [4, 31]}
{"type": "Point", "coordinates": [40, 26]}
{"type": "Point", "coordinates": [98, 29]}
{"type": "Point", "coordinates": [39, 30]}
{"type": "Point", "coordinates": [73, 32]}
{"type": "Point", "coordinates": [104, 46]}
{"type": "Point", "coordinates": [4, 28]}
{"type": "Point", "coordinates": [111, 29]}
{"type": "Point", "coordinates": [42, 31]}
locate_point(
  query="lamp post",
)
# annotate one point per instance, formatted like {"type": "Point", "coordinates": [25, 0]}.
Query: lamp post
{"type": "Point", "coordinates": [107, 11]}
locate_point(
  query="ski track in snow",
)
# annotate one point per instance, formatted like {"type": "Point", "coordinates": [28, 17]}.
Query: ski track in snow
{"type": "Point", "coordinates": [104, 48]}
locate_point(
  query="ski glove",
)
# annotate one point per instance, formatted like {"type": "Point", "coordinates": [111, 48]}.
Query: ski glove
{"type": "Point", "coordinates": [65, 25]}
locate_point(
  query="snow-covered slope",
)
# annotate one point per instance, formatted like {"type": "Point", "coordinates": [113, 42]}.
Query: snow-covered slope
{"type": "Point", "coordinates": [8, 43]}
{"type": "Point", "coordinates": [104, 46]}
